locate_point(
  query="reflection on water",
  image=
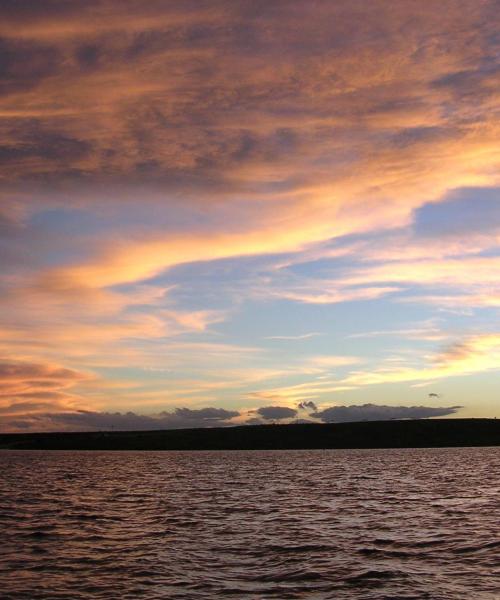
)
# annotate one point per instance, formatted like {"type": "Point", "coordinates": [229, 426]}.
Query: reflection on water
{"type": "Point", "coordinates": [339, 524]}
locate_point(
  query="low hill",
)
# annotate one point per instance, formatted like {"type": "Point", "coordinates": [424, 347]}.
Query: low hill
{"type": "Point", "coordinates": [374, 434]}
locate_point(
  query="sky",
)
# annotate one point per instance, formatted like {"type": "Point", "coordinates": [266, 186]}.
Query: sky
{"type": "Point", "coordinates": [242, 211]}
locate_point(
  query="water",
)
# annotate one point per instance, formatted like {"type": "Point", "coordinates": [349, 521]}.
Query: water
{"type": "Point", "coordinates": [339, 524]}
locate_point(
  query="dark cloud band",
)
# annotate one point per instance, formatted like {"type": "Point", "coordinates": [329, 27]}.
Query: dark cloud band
{"type": "Point", "coordinates": [374, 412]}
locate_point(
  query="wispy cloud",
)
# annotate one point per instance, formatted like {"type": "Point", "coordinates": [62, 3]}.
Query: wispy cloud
{"type": "Point", "coordinates": [303, 336]}
{"type": "Point", "coordinates": [184, 184]}
{"type": "Point", "coordinates": [28, 387]}
{"type": "Point", "coordinates": [474, 354]}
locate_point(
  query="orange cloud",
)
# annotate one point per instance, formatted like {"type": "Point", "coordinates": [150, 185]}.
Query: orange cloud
{"type": "Point", "coordinates": [29, 387]}
{"type": "Point", "coordinates": [473, 355]}
{"type": "Point", "coordinates": [240, 129]}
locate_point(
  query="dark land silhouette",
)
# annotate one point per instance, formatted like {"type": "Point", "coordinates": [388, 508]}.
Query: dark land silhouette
{"type": "Point", "coordinates": [374, 434]}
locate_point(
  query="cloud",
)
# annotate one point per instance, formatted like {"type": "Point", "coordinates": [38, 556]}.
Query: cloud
{"type": "Point", "coordinates": [191, 107]}
{"type": "Point", "coordinates": [253, 421]}
{"type": "Point", "coordinates": [141, 140]}
{"type": "Point", "coordinates": [426, 332]}
{"type": "Point", "coordinates": [374, 412]}
{"type": "Point", "coordinates": [474, 354]}
{"type": "Point", "coordinates": [206, 415]}
{"type": "Point", "coordinates": [308, 405]}
{"type": "Point", "coordinates": [276, 412]}
{"type": "Point", "coordinates": [15, 371]}
{"type": "Point", "coordinates": [95, 326]}
{"type": "Point", "coordinates": [303, 336]}
{"type": "Point", "coordinates": [327, 362]}
{"type": "Point", "coordinates": [30, 387]}
{"type": "Point", "coordinates": [460, 272]}
{"type": "Point", "coordinates": [329, 292]}
{"type": "Point", "coordinates": [317, 387]}
{"type": "Point", "coordinates": [83, 420]}
{"type": "Point", "coordinates": [273, 103]}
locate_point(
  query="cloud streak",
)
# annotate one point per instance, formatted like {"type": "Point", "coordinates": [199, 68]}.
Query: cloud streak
{"type": "Point", "coordinates": [32, 387]}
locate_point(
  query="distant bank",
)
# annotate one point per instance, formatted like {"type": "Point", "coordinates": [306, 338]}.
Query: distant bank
{"type": "Point", "coordinates": [374, 434]}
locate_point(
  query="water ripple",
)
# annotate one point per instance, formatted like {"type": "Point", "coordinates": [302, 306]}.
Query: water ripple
{"type": "Point", "coordinates": [335, 524]}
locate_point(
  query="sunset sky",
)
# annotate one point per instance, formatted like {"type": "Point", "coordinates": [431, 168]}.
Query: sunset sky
{"type": "Point", "coordinates": [212, 212]}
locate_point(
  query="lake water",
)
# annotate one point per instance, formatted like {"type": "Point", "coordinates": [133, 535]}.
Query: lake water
{"type": "Point", "coordinates": [339, 524]}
